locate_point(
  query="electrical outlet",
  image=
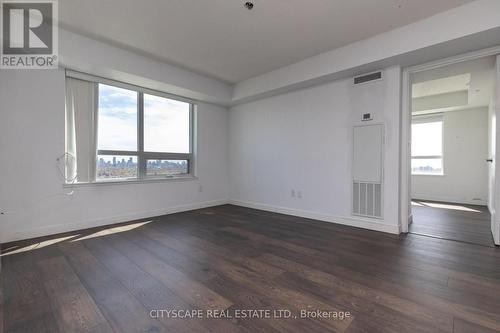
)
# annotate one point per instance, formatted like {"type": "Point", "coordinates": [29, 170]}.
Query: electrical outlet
{"type": "Point", "coordinates": [292, 194]}
{"type": "Point", "coordinates": [200, 188]}
{"type": "Point", "coordinates": [299, 194]}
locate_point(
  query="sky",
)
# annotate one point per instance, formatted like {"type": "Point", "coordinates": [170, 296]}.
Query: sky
{"type": "Point", "coordinates": [166, 122]}
{"type": "Point", "coordinates": [427, 139]}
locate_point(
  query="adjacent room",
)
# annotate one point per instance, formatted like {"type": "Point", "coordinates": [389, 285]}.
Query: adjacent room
{"type": "Point", "coordinates": [452, 144]}
{"type": "Point", "coordinates": [249, 166]}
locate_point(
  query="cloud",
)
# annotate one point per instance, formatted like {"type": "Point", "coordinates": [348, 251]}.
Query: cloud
{"type": "Point", "coordinates": [166, 122]}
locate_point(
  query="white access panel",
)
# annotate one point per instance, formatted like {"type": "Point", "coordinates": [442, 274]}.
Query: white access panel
{"type": "Point", "coordinates": [367, 161]}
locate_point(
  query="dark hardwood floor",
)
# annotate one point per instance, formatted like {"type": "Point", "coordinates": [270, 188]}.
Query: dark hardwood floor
{"type": "Point", "coordinates": [232, 258]}
{"type": "Point", "coordinates": [464, 223]}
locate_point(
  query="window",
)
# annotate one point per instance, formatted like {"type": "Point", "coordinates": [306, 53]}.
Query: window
{"type": "Point", "coordinates": [117, 132]}
{"type": "Point", "coordinates": [427, 145]}
{"type": "Point", "coordinates": [166, 125]}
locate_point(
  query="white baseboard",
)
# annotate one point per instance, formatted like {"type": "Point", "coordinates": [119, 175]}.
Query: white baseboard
{"type": "Point", "coordinates": [495, 230]}
{"type": "Point", "coordinates": [491, 209]}
{"type": "Point", "coordinates": [350, 221]}
{"type": "Point", "coordinates": [68, 227]}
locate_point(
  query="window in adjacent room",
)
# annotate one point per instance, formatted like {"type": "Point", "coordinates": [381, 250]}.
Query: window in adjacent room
{"type": "Point", "coordinates": [427, 145]}
{"type": "Point", "coordinates": [118, 132]}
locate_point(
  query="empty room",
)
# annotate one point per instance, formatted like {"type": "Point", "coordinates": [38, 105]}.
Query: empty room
{"type": "Point", "coordinates": [452, 144]}
{"type": "Point", "coordinates": [249, 166]}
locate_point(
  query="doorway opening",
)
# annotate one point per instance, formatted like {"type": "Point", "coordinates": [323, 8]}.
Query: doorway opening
{"type": "Point", "coordinates": [452, 141]}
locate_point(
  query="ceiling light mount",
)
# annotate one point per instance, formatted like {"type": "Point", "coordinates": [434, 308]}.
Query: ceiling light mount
{"type": "Point", "coordinates": [249, 5]}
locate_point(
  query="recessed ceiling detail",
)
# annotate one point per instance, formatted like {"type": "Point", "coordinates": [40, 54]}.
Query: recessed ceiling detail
{"type": "Point", "coordinates": [455, 87]}
{"type": "Point", "coordinates": [441, 86]}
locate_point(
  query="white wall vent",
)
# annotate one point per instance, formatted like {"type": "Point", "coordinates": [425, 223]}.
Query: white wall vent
{"type": "Point", "coordinates": [368, 77]}
{"type": "Point", "coordinates": [367, 170]}
{"type": "Point", "coordinates": [367, 199]}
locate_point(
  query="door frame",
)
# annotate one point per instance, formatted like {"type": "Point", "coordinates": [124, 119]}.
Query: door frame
{"type": "Point", "coordinates": [405, 137]}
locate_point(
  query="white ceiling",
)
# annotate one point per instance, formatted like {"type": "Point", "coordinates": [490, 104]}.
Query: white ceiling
{"type": "Point", "coordinates": [455, 87]}
{"type": "Point", "coordinates": [224, 40]}
{"type": "Point", "coordinates": [440, 86]}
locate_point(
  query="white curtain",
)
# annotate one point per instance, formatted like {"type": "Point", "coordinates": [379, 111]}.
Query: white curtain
{"type": "Point", "coordinates": [80, 131]}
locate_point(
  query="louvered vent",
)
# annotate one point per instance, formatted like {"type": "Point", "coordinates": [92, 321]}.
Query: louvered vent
{"type": "Point", "coordinates": [367, 199]}
{"type": "Point", "coordinates": [368, 77]}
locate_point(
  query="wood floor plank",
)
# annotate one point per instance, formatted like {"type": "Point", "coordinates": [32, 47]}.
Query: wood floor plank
{"type": "Point", "coordinates": [245, 298]}
{"type": "Point", "coordinates": [199, 246]}
{"type": "Point", "coordinates": [44, 323]}
{"type": "Point", "coordinates": [462, 326]}
{"type": "Point", "coordinates": [25, 294]}
{"type": "Point", "coordinates": [123, 312]}
{"type": "Point", "coordinates": [381, 316]}
{"type": "Point", "coordinates": [149, 291]}
{"type": "Point", "coordinates": [481, 290]}
{"type": "Point", "coordinates": [291, 298]}
{"type": "Point", "coordinates": [428, 298]}
{"type": "Point", "coordinates": [192, 291]}
{"type": "Point", "coordinates": [326, 280]}
{"type": "Point", "coordinates": [248, 278]}
{"type": "Point", "coordinates": [73, 308]}
{"type": "Point", "coordinates": [261, 238]}
{"type": "Point", "coordinates": [467, 223]}
{"type": "Point", "coordinates": [233, 258]}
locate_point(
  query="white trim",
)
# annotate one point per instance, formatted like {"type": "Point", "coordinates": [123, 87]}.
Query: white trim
{"type": "Point", "coordinates": [495, 230]}
{"type": "Point", "coordinates": [129, 86]}
{"type": "Point", "coordinates": [132, 181]}
{"type": "Point", "coordinates": [358, 222]}
{"type": "Point", "coordinates": [427, 118]}
{"type": "Point", "coordinates": [405, 161]}
{"type": "Point", "coordinates": [68, 227]}
{"type": "Point", "coordinates": [405, 165]}
{"type": "Point", "coordinates": [455, 59]}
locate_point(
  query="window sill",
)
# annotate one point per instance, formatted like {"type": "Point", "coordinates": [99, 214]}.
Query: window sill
{"type": "Point", "coordinates": [131, 181]}
{"type": "Point", "coordinates": [429, 174]}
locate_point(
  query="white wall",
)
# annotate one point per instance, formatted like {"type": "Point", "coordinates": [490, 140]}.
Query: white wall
{"type": "Point", "coordinates": [465, 144]}
{"type": "Point", "coordinates": [303, 141]}
{"type": "Point", "coordinates": [32, 198]}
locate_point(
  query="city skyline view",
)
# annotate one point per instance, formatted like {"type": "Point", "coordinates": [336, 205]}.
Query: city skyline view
{"type": "Point", "coordinates": [124, 167]}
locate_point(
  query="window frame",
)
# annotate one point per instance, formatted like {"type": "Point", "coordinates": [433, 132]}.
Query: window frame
{"type": "Point", "coordinates": [422, 119]}
{"type": "Point", "coordinates": [142, 156]}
